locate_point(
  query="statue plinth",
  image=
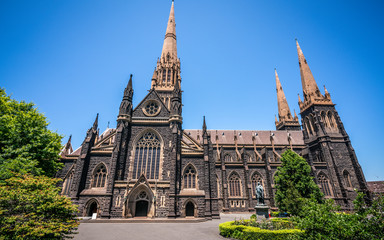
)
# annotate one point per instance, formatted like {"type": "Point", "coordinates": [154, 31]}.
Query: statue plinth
{"type": "Point", "coordinates": [262, 212]}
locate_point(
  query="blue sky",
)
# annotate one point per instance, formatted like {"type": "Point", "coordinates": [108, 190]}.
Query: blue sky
{"type": "Point", "coordinates": [73, 60]}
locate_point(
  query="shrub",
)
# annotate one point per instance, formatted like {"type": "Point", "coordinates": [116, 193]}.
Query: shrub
{"type": "Point", "coordinates": [31, 208]}
{"type": "Point", "coordinates": [274, 214]}
{"type": "Point", "coordinates": [235, 230]}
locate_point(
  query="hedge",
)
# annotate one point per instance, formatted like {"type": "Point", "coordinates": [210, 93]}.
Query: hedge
{"type": "Point", "coordinates": [242, 232]}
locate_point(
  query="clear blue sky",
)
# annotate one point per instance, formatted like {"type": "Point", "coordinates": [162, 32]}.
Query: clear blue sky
{"type": "Point", "coordinates": [73, 60]}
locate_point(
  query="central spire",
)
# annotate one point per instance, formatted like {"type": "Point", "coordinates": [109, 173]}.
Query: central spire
{"type": "Point", "coordinates": [169, 46]}
{"type": "Point", "coordinates": [167, 71]}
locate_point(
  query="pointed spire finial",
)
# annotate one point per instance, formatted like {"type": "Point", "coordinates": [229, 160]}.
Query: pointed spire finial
{"type": "Point", "coordinates": [310, 88]}
{"type": "Point", "coordinates": [130, 81]}
{"type": "Point", "coordinates": [96, 122]}
{"type": "Point", "coordinates": [204, 125]}
{"type": "Point", "coordinates": [169, 46]}
{"type": "Point", "coordinates": [282, 104]}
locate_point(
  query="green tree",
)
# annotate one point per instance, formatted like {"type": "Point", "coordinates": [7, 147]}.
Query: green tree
{"type": "Point", "coordinates": [294, 183]}
{"type": "Point", "coordinates": [32, 208]}
{"type": "Point", "coordinates": [325, 221]}
{"type": "Point", "coordinates": [26, 144]}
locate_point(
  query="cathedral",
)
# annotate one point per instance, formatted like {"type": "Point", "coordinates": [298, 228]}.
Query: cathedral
{"type": "Point", "coordinates": [149, 166]}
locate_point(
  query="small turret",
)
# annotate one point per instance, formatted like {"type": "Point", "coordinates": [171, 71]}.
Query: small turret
{"type": "Point", "coordinates": [125, 110]}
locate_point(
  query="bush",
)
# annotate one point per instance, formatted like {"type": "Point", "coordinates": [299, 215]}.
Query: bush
{"type": "Point", "coordinates": [323, 221]}
{"type": "Point", "coordinates": [31, 208]}
{"type": "Point", "coordinates": [274, 214]}
{"type": "Point", "coordinates": [231, 229]}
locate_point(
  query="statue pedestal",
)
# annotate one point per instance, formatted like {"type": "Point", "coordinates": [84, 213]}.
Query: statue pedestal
{"type": "Point", "coordinates": [262, 212]}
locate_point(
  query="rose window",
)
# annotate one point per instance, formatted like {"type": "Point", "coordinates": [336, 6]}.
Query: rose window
{"type": "Point", "coordinates": [152, 108]}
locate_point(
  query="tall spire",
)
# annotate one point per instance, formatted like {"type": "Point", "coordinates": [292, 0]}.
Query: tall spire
{"type": "Point", "coordinates": [169, 45]}
{"type": "Point", "coordinates": [285, 121]}
{"type": "Point", "coordinates": [284, 112]}
{"type": "Point", "coordinates": [311, 91]}
{"type": "Point", "coordinates": [308, 82]}
{"type": "Point", "coordinates": [167, 72]}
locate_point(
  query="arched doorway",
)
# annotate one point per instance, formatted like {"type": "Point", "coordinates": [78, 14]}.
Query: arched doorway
{"type": "Point", "coordinates": [142, 204]}
{"type": "Point", "coordinates": [141, 208]}
{"type": "Point", "coordinates": [190, 209]}
{"type": "Point", "coordinates": [92, 209]}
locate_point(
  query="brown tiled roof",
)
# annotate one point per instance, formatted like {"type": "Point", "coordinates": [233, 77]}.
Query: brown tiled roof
{"type": "Point", "coordinates": [376, 186]}
{"type": "Point", "coordinates": [244, 137]}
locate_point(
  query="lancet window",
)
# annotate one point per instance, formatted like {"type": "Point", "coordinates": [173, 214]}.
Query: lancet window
{"type": "Point", "coordinates": [169, 76]}
{"type": "Point", "coordinates": [99, 176]}
{"type": "Point", "coordinates": [227, 158]}
{"type": "Point", "coordinates": [67, 184]}
{"type": "Point", "coordinates": [256, 178]}
{"type": "Point", "coordinates": [234, 186]}
{"type": "Point", "coordinates": [164, 75]}
{"type": "Point", "coordinates": [325, 185]}
{"type": "Point", "coordinates": [190, 177]}
{"type": "Point", "coordinates": [347, 179]}
{"type": "Point", "coordinates": [147, 157]}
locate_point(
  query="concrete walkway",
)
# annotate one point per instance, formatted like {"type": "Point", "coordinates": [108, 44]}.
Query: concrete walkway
{"type": "Point", "coordinates": [208, 230]}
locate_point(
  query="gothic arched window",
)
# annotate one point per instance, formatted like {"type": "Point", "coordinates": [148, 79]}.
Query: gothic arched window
{"type": "Point", "coordinates": [169, 76]}
{"type": "Point", "coordinates": [324, 119]}
{"type": "Point", "coordinates": [347, 179]}
{"type": "Point", "coordinates": [99, 176]}
{"type": "Point", "coordinates": [325, 184]}
{"type": "Point", "coordinates": [67, 184]}
{"type": "Point", "coordinates": [308, 126]}
{"type": "Point", "coordinates": [164, 75]}
{"type": "Point", "coordinates": [313, 125]}
{"type": "Point", "coordinates": [190, 177]}
{"type": "Point", "coordinates": [332, 120]}
{"type": "Point", "coordinates": [256, 178]}
{"type": "Point", "coordinates": [234, 185]}
{"type": "Point", "coordinates": [147, 157]}
{"type": "Point", "coordinates": [227, 158]}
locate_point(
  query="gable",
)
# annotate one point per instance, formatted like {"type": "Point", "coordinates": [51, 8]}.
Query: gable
{"type": "Point", "coordinates": [152, 96]}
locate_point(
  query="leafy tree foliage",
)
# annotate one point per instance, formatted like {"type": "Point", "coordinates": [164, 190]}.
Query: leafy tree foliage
{"type": "Point", "coordinates": [31, 208]}
{"type": "Point", "coordinates": [294, 183]}
{"type": "Point", "coordinates": [324, 221]}
{"type": "Point", "coordinates": [26, 145]}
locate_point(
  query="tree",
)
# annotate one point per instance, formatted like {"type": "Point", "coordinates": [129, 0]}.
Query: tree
{"type": "Point", "coordinates": [26, 145]}
{"type": "Point", "coordinates": [325, 221]}
{"type": "Point", "coordinates": [294, 183]}
{"type": "Point", "coordinates": [32, 208]}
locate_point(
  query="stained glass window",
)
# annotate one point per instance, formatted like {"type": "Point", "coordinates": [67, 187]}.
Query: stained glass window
{"type": "Point", "coordinates": [147, 157]}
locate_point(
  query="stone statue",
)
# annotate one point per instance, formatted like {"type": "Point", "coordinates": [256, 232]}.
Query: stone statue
{"type": "Point", "coordinates": [260, 194]}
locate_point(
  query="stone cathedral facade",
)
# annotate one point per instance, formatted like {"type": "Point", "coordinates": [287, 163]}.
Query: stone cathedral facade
{"type": "Point", "coordinates": [150, 166]}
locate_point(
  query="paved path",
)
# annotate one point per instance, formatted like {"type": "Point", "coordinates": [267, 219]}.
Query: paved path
{"type": "Point", "coordinates": [208, 230]}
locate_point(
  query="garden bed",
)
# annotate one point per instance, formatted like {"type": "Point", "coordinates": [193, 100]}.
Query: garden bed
{"type": "Point", "coordinates": [276, 228]}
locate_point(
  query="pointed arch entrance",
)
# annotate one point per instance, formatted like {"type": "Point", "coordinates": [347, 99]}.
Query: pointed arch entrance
{"type": "Point", "coordinates": [140, 200]}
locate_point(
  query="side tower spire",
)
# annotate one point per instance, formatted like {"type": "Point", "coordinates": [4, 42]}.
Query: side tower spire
{"type": "Point", "coordinates": [167, 71]}
{"type": "Point", "coordinates": [311, 92]}
{"type": "Point", "coordinates": [328, 142]}
{"type": "Point", "coordinates": [285, 121]}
